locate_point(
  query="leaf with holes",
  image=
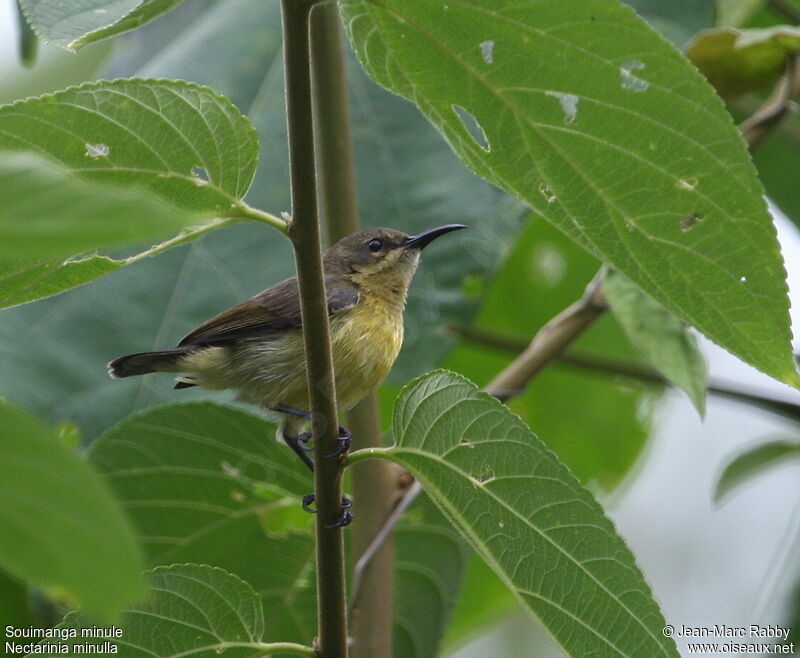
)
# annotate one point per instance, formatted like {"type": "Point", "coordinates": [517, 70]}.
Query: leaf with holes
{"type": "Point", "coordinates": [183, 150]}
{"type": "Point", "coordinates": [527, 516]}
{"type": "Point", "coordinates": [192, 609]}
{"type": "Point", "coordinates": [660, 337]}
{"type": "Point", "coordinates": [60, 527]}
{"type": "Point", "coordinates": [72, 25]}
{"type": "Point", "coordinates": [200, 481]}
{"type": "Point", "coordinates": [608, 132]}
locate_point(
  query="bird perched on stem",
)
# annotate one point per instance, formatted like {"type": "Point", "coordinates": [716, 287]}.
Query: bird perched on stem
{"type": "Point", "coordinates": [256, 348]}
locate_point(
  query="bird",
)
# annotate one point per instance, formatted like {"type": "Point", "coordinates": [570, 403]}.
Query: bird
{"type": "Point", "coordinates": [256, 348]}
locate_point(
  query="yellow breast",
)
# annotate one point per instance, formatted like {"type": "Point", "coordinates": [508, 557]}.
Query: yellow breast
{"type": "Point", "coordinates": [365, 340]}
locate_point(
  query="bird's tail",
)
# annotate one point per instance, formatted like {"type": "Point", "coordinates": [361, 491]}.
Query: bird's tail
{"type": "Point", "coordinates": [144, 362]}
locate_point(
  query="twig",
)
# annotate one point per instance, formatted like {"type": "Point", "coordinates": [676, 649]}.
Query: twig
{"type": "Point", "coordinates": [372, 482]}
{"type": "Point", "coordinates": [643, 374]}
{"type": "Point", "coordinates": [756, 127]}
{"type": "Point", "coordinates": [550, 341]}
{"type": "Point", "coordinates": [305, 235]}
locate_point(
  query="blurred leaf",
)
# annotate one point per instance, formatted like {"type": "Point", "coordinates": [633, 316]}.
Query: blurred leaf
{"type": "Point", "coordinates": [752, 461]}
{"type": "Point", "coordinates": [46, 212]}
{"type": "Point", "coordinates": [14, 608]}
{"type": "Point", "coordinates": [430, 561]}
{"type": "Point", "coordinates": [60, 526]}
{"type": "Point", "coordinates": [631, 105]}
{"type": "Point", "coordinates": [778, 160]}
{"type": "Point", "coordinates": [25, 282]}
{"type": "Point", "coordinates": [735, 13]}
{"type": "Point", "coordinates": [677, 20]}
{"type": "Point", "coordinates": [28, 44]}
{"type": "Point", "coordinates": [208, 484]}
{"type": "Point", "coordinates": [600, 438]}
{"type": "Point", "coordinates": [72, 25]}
{"type": "Point", "coordinates": [484, 601]}
{"type": "Point", "coordinates": [659, 336]}
{"type": "Point", "coordinates": [192, 609]}
{"type": "Point", "coordinates": [408, 178]}
{"type": "Point", "coordinates": [741, 61]}
{"type": "Point", "coordinates": [527, 516]}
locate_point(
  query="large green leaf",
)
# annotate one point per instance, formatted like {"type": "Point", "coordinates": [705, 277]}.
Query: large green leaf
{"type": "Point", "coordinates": [74, 24]}
{"type": "Point", "coordinates": [179, 142]}
{"type": "Point", "coordinates": [59, 525]}
{"type": "Point", "coordinates": [527, 516]}
{"type": "Point", "coordinates": [194, 610]}
{"type": "Point", "coordinates": [660, 337]}
{"type": "Point", "coordinates": [46, 212]}
{"type": "Point", "coordinates": [604, 129]}
{"type": "Point", "coordinates": [600, 438]}
{"type": "Point", "coordinates": [200, 482]}
{"type": "Point", "coordinates": [677, 20]}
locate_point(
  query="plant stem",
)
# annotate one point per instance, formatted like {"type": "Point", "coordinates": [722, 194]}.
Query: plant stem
{"type": "Point", "coordinates": [372, 483]}
{"type": "Point", "coordinates": [305, 235]}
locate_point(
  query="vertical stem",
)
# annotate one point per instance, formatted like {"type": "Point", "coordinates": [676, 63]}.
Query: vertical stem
{"type": "Point", "coordinates": [305, 235]}
{"type": "Point", "coordinates": [373, 483]}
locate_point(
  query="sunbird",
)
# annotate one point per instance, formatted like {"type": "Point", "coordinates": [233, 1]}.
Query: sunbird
{"type": "Point", "coordinates": [256, 347]}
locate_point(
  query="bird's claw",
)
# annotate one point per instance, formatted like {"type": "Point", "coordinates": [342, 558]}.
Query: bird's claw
{"type": "Point", "coordinates": [342, 442]}
{"type": "Point", "coordinates": [303, 440]}
{"type": "Point", "coordinates": [345, 518]}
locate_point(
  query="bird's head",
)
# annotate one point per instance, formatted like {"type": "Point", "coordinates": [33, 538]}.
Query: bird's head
{"type": "Point", "coordinates": [381, 259]}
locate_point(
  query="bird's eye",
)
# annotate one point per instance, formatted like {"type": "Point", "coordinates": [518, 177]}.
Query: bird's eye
{"type": "Point", "coordinates": [374, 245]}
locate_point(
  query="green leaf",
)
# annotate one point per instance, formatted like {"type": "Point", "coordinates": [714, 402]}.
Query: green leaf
{"type": "Point", "coordinates": [71, 25]}
{"type": "Point", "coordinates": [741, 61]}
{"type": "Point", "coordinates": [61, 527]}
{"type": "Point", "coordinates": [201, 481]}
{"type": "Point", "coordinates": [750, 462]}
{"type": "Point", "coordinates": [176, 144]}
{"type": "Point", "coordinates": [527, 516]}
{"type": "Point", "coordinates": [606, 131]}
{"type": "Point", "coordinates": [483, 602]}
{"type": "Point", "coordinates": [659, 336]}
{"type": "Point", "coordinates": [47, 213]}
{"type": "Point", "coordinates": [192, 610]}
{"type": "Point", "coordinates": [430, 561]}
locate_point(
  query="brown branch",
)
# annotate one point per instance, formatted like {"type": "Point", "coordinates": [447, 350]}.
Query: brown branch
{"type": "Point", "coordinates": [767, 117]}
{"type": "Point", "coordinates": [305, 235]}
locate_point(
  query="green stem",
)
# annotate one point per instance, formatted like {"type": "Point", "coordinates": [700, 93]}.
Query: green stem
{"type": "Point", "coordinates": [269, 648]}
{"type": "Point", "coordinates": [248, 212]}
{"type": "Point", "coordinates": [366, 453]}
{"type": "Point", "coordinates": [305, 235]}
{"type": "Point", "coordinates": [372, 483]}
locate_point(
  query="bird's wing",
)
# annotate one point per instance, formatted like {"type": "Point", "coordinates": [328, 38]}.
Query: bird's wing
{"type": "Point", "coordinates": [274, 309]}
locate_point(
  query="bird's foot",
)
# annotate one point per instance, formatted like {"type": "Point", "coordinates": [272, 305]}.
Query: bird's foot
{"type": "Point", "coordinates": [345, 516]}
{"type": "Point", "coordinates": [343, 442]}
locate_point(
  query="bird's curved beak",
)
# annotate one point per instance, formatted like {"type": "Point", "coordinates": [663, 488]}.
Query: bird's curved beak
{"type": "Point", "coordinates": [424, 239]}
